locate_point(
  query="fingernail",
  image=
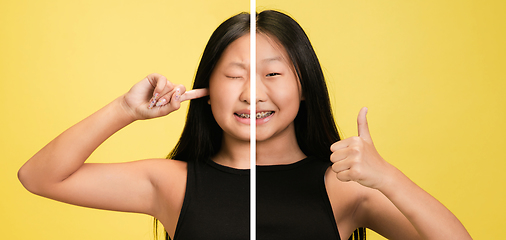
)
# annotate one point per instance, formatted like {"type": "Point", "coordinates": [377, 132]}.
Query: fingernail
{"type": "Point", "coordinates": [161, 102]}
{"type": "Point", "coordinates": [178, 94]}
{"type": "Point", "coordinates": [152, 102]}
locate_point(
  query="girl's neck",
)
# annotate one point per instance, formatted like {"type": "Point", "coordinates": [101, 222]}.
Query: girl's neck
{"type": "Point", "coordinates": [277, 150]}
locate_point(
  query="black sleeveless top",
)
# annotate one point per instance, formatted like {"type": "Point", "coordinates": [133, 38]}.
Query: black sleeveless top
{"type": "Point", "coordinates": [292, 202]}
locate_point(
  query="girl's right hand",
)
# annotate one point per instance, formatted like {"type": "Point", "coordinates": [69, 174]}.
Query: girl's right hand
{"type": "Point", "coordinates": [155, 96]}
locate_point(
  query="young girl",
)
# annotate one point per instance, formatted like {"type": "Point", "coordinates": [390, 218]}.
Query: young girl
{"type": "Point", "coordinates": [310, 184]}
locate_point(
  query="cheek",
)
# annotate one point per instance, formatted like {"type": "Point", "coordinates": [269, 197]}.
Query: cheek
{"type": "Point", "coordinates": [223, 96]}
{"type": "Point", "coordinates": [288, 94]}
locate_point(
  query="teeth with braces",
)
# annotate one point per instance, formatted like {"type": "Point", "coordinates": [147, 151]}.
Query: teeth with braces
{"type": "Point", "coordinates": [258, 115]}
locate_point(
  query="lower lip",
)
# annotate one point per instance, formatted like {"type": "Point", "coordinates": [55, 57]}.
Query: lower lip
{"type": "Point", "coordinates": [259, 121]}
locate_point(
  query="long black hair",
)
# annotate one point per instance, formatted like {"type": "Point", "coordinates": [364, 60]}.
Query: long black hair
{"type": "Point", "coordinates": [201, 137]}
{"type": "Point", "coordinates": [315, 127]}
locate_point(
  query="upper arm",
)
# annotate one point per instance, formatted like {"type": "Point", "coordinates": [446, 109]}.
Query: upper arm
{"type": "Point", "coordinates": [378, 213]}
{"type": "Point", "coordinates": [127, 187]}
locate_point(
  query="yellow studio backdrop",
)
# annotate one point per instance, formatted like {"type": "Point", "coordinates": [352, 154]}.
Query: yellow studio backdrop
{"type": "Point", "coordinates": [60, 61]}
{"type": "Point", "coordinates": [431, 72]}
{"type": "Point", "coordinates": [433, 75]}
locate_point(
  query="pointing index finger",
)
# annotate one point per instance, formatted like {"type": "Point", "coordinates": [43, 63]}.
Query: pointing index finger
{"type": "Point", "coordinates": [193, 94]}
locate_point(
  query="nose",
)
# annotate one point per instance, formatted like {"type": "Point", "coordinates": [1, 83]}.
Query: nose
{"type": "Point", "coordinates": [261, 95]}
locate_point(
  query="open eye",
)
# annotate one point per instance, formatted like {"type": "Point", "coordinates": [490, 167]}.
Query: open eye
{"type": "Point", "coordinates": [272, 74]}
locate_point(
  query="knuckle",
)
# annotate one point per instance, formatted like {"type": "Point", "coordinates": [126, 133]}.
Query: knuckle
{"type": "Point", "coordinates": [356, 161]}
{"type": "Point", "coordinates": [358, 141]}
{"type": "Point", "coordinates": [341, 176]}
{"type": "Point", "coordinates": [355, 172]}
{"type": "Point", "coordinates": [175, 105]}
{"type": "Point", "coordinates": [355, 149]}
{"type": "Point", "coordinates": [169, 85]}
{"type": "Point", "coordinates": [332, 157]}
{"type": "Point", "coordinates": [335, 167]}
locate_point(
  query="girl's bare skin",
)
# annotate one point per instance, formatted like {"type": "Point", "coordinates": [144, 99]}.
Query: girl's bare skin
{"type": "Point", "coordinates": [364, 189]}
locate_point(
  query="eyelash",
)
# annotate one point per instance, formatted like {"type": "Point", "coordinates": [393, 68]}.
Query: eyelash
{"type": "Point", "coordinates": [268, 75]}
{"type": "Point", "coordinates": [272, 74]}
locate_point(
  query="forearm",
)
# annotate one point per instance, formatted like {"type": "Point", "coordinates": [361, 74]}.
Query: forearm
{"type": "Point", "coordinates": [66, 154]}
{"type": "Point", "coordinates": [430, 218]}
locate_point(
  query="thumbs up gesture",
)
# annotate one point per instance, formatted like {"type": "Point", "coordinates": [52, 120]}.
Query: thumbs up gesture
{"type": "Point", "coordinates": [356, 158]}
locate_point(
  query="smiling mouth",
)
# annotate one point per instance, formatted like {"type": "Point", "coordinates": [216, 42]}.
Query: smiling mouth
{"type": "Point", "coordinates": [259, 115]}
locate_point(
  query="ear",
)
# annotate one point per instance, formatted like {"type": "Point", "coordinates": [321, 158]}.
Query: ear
{"type": "Point", "coordinates": [209, 101]}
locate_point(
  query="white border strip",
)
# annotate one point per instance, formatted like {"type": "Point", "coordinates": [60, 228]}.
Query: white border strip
{"type": "Point", "coordinates": [252, 72]}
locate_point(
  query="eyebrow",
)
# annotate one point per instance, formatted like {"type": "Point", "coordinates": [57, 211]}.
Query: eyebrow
{"type": "Point", "coordinates": [271, 59]}
{"type": "Point", "coordinates": [238, 64]}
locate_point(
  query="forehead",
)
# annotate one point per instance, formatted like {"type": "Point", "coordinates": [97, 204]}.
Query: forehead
{"type": "Point", "coordinates": [237, 52]}
{"type": "Point", "coordinates": [268, 51]}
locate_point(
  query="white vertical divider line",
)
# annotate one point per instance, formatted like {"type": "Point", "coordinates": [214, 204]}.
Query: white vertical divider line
{"type": "Point", "coordinates": [252, 72]}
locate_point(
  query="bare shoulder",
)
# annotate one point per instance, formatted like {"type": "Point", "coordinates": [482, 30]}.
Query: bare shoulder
{"type": "Point", "coordinates": [166, 169]}
{"type": "Point", "coordinates": [355, 206]}
{"type": "Point", "coordinates": [168, 176]}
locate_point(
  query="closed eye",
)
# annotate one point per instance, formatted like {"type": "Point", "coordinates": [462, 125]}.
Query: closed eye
{"type": "Point", "coordinates": [272, 74]}
{"type": "Point", "coordinates": [233, 77]}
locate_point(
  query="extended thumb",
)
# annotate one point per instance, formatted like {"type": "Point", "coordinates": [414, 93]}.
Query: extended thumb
{"type": "Point", "coordinates": [363, 127]}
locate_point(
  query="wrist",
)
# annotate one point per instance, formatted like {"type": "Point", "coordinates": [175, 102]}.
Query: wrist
{"type": "Point", "coordinates": [125, 112]}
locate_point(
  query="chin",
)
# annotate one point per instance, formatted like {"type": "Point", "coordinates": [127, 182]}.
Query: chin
{"type": "Point", "coordinates": [242, 136]}
{"type": "Point", "coordinates": [263, 136]}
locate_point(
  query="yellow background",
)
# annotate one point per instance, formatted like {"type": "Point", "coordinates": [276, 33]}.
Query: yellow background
{"type": "Point", "coordinates": [431, 72]}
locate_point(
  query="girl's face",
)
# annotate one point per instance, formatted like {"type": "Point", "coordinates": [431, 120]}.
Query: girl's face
{"type": "Point", "coordinates": [278, 91]}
